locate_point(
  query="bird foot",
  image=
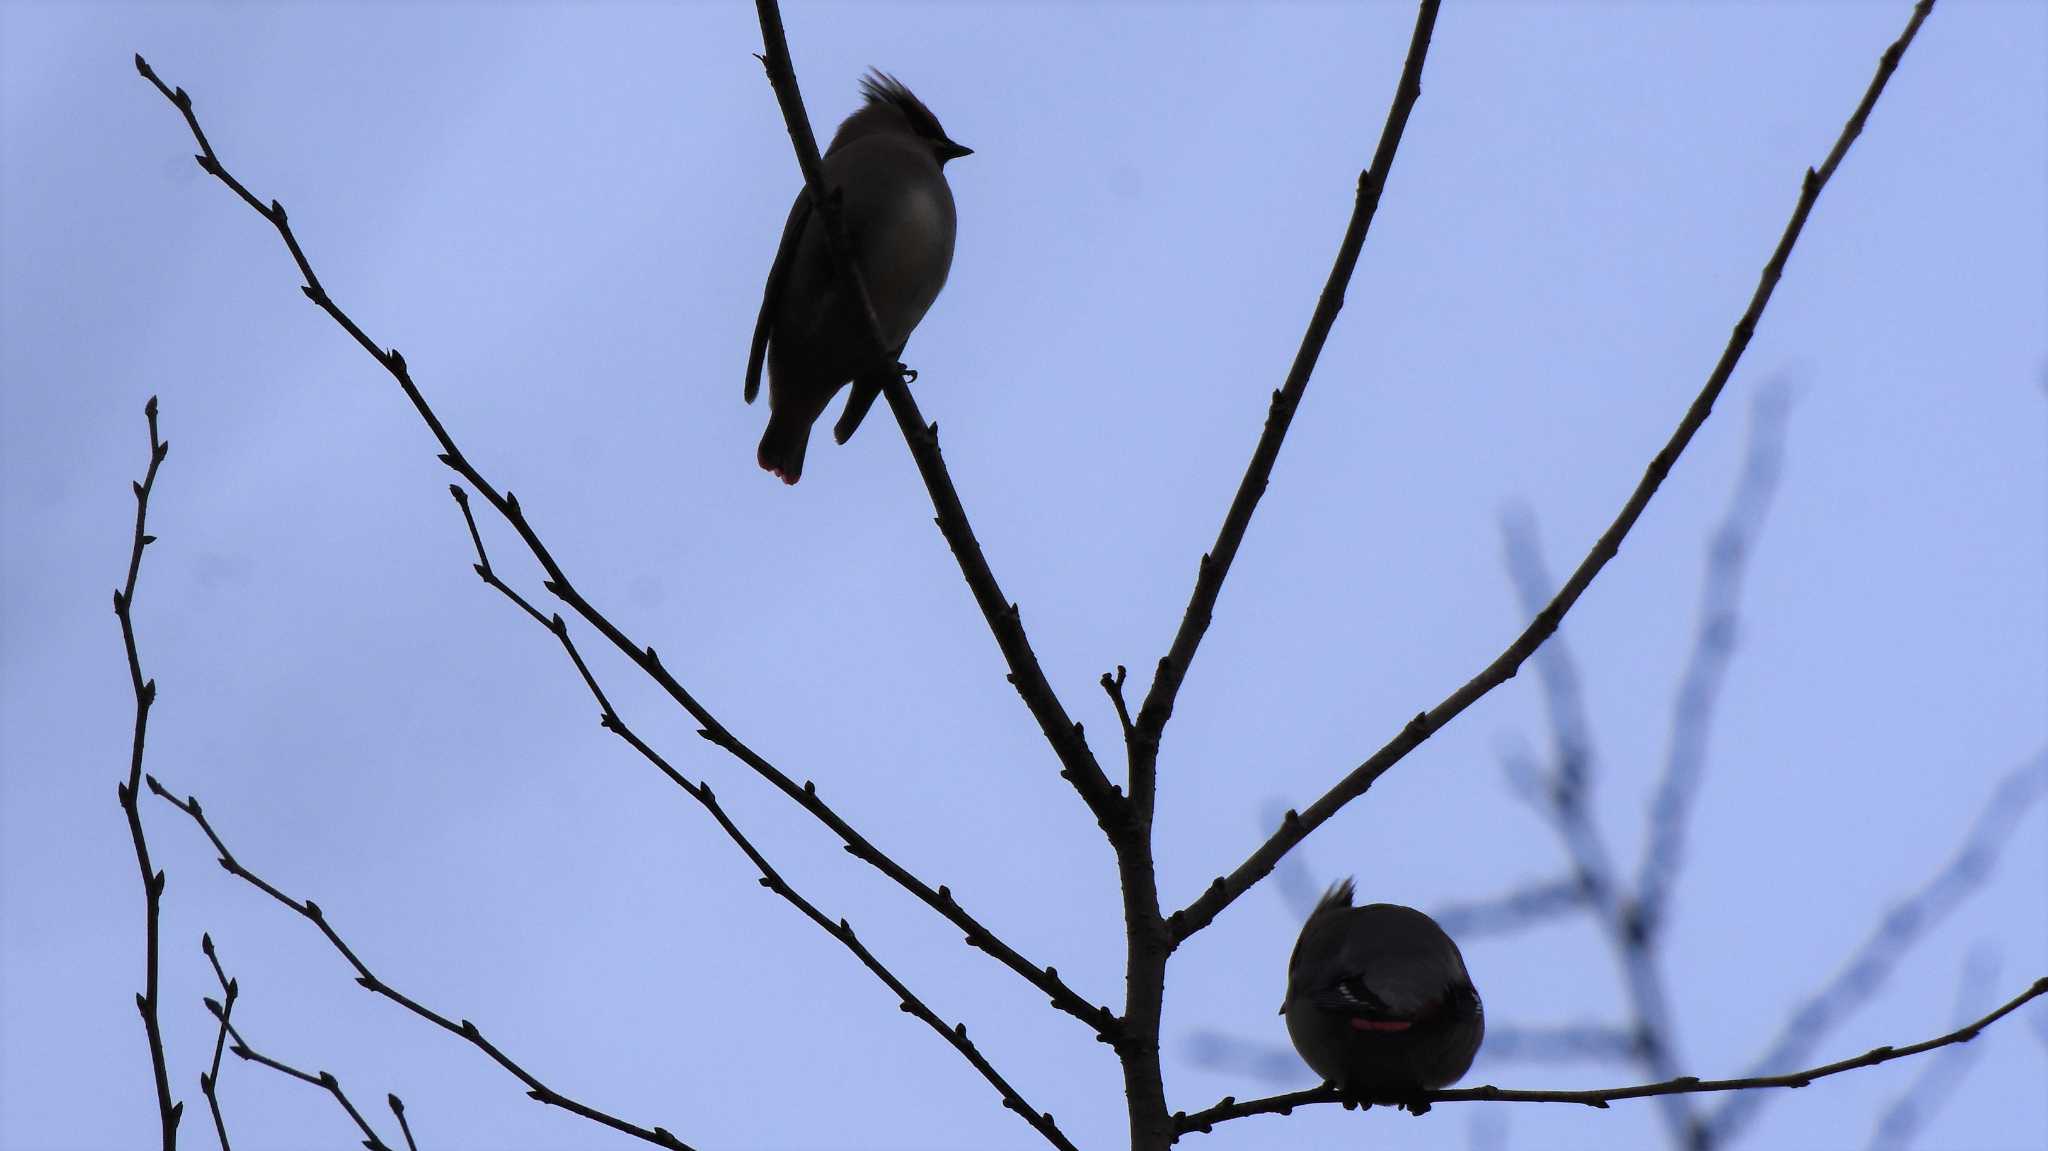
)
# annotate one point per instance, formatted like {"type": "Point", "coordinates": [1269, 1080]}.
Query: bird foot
{"type": "Point", "coordinates": [1412, 1104]}
{"type": "Point", "coordinates": [908, 373]}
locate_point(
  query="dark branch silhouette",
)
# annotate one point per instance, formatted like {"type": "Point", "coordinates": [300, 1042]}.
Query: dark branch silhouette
{"type": "Point", "coordinates": [770, 878]}
{"type": "Point", "coordinates": [209, 1080]}
{"type": "Point", "coordinates": [1505, 1043]}
{"type": "Point", "coordinates": [222, 1010]}
{"type": "Point", "coordinates": [1069, 743]}
{"type": "Point", "coordinates": [1228, 1109]}
{"type": "Point", "coordinates": [169, 1110]}
{"type": "Point", "coordinates": [1631, 916]}
{"type": "Point", "coordinates": [536, 1090]}
{"type": "Point", "coordinates": [557, 583]}
{"type": "Point", "coordinates": [1560, 792]}
{"type": "Point", "coordinates": [1226, 889]}
{"type": "Point", "coordinates": [1215, 564]}
{"type": "Point", "coordinates": [1127, 824]}
{"type": "Point", "coordinates": [646, 658]}
{"type": "Point", "coordinates": [321, 1079]}
{"type": "Point", "coordinates": [397, 1106]}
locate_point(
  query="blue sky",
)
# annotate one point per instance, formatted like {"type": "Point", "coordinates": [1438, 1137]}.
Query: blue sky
{"type": "Point", "coordinates": [563, 214]}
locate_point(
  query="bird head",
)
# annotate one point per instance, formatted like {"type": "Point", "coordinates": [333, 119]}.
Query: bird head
{"type": "Point", "coordinates": [891, 107]}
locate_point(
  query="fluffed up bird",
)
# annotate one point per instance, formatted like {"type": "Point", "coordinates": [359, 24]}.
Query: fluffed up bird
{"type": "Point", "coordinates": [887, 166]}
{"type": "Point", "coordinates": [1378, 1000]}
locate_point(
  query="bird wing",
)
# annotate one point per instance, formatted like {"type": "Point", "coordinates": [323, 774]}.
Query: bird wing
{"type": "Point", "coordinates": [778, 273]}
{"type": "Point", "coordinates": [1353, 998]}
{"type": "Point", "coordinates": [1372, 1010]}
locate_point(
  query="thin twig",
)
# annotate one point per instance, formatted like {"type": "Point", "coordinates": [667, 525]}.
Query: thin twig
{"type": "Point", "coordinates": [506, 504]}
{"type": "Point", "coordinates": [1228, 1109]}
{"type": "Point", "coordinates": [1226, 889]}
{"type": "Point", "coordinates": [321, 1079]}
{"type": "Point", "coordinates": [222, 1008]}
{"type": "Point", "coordinates": [1153, 940]}
{"type": "Point", "coordinates": [397, 1106]}
{"type": "Point", "coordinates": [1215, 564]}
{"type": "Point", "coordinates": [209, 1081]}
{"type": "Point", "coordinates": [1113, 686]}
{"type": "Point", "coordinates": [536, 1090]}
{"type": "Point", "coordinates": [610, 719]}
{"type": "Point", "coordinates": [169, 1110]}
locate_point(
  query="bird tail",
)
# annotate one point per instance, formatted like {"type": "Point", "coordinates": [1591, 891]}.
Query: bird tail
{"type": "Point", "coordinates": [782, 447]}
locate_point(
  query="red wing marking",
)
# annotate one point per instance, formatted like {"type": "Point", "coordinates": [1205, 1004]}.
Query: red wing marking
{"type": "Point", "coordinates": [1380, 1025]}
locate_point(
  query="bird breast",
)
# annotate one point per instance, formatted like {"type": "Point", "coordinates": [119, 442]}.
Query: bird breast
{"type": "Point", "coordinates": [909, 246]}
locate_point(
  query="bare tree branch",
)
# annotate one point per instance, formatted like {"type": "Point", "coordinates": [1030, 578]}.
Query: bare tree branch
{"type": "Point", "coordinates": [1632, 916]}
{"type": "Point", "coordinates": [1293, 882]}
{"type": "Point", "coordinates": [321, 1079]}
{"type": "Point", "coordinates": [536, 1090]}
{"type": "Point", "coordinates": [1130, 838]}
{"type": "Point", "coordinates": [209, 1080]}
{"type": "Point", "coordinates": [1229, 1109]}
{"type": "Point", "coordinates": [397, 1106]}
{"type": "Point", "coordinates": [1153, 940]}
{"type": "Point", "coordinates": [169, 1110]}
{"type": "Point", "coordinates": [1276, 1063]}
{"type": "Point", "coordinates": [1046, 979]}
{"type": "Point", "coordinates": [541, 1092]}
{"type": "Point", "coordinates": [1215, 564]}
{"type": "Point", "coordinates": [1113, 685]}
{"type": "Point", "coordinates": [1069, 743]}
{"type": "Point", "coordinates": [610, 719]}
{"type": "Point", "coordinates": [1226, 889]}
{"type": "Point", "coordinates": [1902, 926]}
{"type": "Point", "coordinates": [643, 657]}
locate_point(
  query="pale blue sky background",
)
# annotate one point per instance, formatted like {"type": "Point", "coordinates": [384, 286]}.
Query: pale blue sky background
{"type": "Point", "coordinates": [563, 216]}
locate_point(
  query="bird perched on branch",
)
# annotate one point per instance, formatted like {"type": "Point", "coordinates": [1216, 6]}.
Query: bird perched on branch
{"type": "Point", "coordinates": [886, 166]}
{"type": "Point", "coordinates": [1378, 1000]}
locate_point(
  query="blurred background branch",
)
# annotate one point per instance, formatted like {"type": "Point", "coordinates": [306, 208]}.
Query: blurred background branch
{"type": "Point", "coordinates": [1559, 786]}
{"type": "Point", "coordinates": [1940, 1074]}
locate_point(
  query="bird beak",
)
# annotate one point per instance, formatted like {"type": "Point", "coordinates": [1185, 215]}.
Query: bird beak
{"type": "Point", "coordinates": [1282, 1011]}
{"type": "Point", "coordinates": [948, 150]}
